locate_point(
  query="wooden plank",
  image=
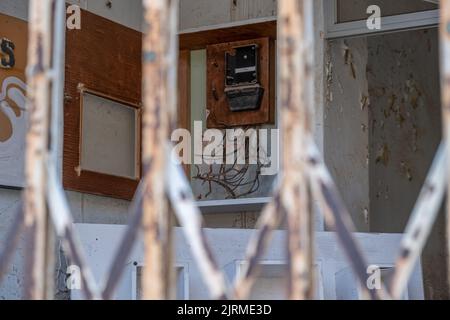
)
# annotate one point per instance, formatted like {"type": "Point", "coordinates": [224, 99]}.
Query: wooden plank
{"type": "Point", "coordinates": [104, 57]}
{"type": "Point", "coordinates": [184, 94]}
{"type": "Point", "coordinates": [195, 40]}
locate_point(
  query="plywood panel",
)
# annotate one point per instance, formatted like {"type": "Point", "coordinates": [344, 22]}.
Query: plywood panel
{"type": "Point", "coordinates": [199, 39]}
{"type": "Point", "coordinates": [200, 13]}
{"type": "Point", "coordinates": [103, 57]}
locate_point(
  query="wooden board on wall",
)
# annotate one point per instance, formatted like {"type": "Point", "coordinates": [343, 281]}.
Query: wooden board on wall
{"type": "Point", "coordinates": [220, 114]}
{"type": "Point", "coordinates": [104, 57]}
{"type": "Point", "coordinates": [13, 113]}
{"type": "Point", "coordinates": [184, 94]}
{"type": "Point", "coordinates": [199, 39]}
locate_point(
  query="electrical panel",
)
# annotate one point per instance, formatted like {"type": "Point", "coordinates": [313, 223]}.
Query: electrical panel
{"type": "Point", "coordinates": [240, 83]}
{"type": "Point", "coordinates": [242, 86]}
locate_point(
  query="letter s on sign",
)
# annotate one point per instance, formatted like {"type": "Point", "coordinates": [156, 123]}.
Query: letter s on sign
{"type": "Point", "coordinates": [7, 54]}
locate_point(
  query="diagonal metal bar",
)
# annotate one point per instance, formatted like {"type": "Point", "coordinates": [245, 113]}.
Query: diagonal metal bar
{"type": "Point", "coordinates": [337, 218]}
{"type": "Point", "coordinates": [190, 218]}
{"type": "Point", "coordinates": [421, 222]}
{"type": "Point", "coordinates": [118, 265]}
{"type": "Point", "coordinates": [11, 240]}
{"type": "Point", "coordinates": [63, 223]}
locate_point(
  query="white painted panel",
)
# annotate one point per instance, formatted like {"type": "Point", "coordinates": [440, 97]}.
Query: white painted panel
{"type": "Point", "coordinates": [347, 287]}
{"type": "Point", "coordinates": [229, 246]}
{"type": "Point", "coordinates": [251, 9]}
{"type": "Point", "coordinates": [271, 283]}
{"type": "Point", "coordinates": [196, 13]}
{"type": "Point", "coordinates": [181, 281]}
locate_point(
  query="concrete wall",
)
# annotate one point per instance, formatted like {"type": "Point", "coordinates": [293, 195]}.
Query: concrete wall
{"type": "Point", "coordinates": [346, 129]}
{"type": "Point", "coordinates": [405, 131]}
{"type": "Point", "coordinates": [405, 121]}
{"type": "Point", "coordinates": [382, 129]}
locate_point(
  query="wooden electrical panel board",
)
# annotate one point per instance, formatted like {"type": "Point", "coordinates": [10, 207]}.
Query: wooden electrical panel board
{"type": "Point", "coordinates": [221, 106]}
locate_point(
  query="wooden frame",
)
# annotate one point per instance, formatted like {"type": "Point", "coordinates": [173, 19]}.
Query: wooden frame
{"type": "Point", "coordinates": [184, 95]}
{"type": "Point", "coordinates": [201, 38]}
{"type": "Point", "coordinates": [119, 52]}
{"type": "Point", "coordinates": [417, 20]}
{"type": "Point", "coordinates": [182, 269]}
{"type": "Point", "coordinates": [138, 119]}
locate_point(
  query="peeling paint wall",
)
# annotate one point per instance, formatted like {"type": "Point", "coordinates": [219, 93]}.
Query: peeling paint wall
{"type": "Point", "coordinates": [382, 127]}
{"type": "Point", "coordinates": [405, 131]}
{"type": "Point", "coordinates": [405, 121]}
{"type": "Point", "coordinates": [346, 134]}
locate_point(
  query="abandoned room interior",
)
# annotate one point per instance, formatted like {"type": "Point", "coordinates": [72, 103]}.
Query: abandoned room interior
{"type": "Point", "coordinates": [93, 91]}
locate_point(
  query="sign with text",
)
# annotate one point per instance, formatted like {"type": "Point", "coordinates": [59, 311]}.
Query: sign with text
{"type": "Point", "coordinates": [13, 113]}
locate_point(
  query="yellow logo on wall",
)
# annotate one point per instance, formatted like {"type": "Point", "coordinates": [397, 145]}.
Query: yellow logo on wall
{"type": "Point", "coordinates": [13, 115]}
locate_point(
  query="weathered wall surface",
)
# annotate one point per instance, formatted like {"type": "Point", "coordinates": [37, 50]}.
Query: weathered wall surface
{"type": "Point", "coordinates": [382, 127]}
{"type": "Point", "coordinates": [405, 121]}
{"type": "Point", "coordinates": [346, 133]}
{"type": "Point", "coordinates": [405, 131]}
{"type": "Point", "coordinates": [201, 13]}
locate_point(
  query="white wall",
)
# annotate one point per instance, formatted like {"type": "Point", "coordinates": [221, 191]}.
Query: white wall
{"type": "Point", "coordinates": [229, 247]}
